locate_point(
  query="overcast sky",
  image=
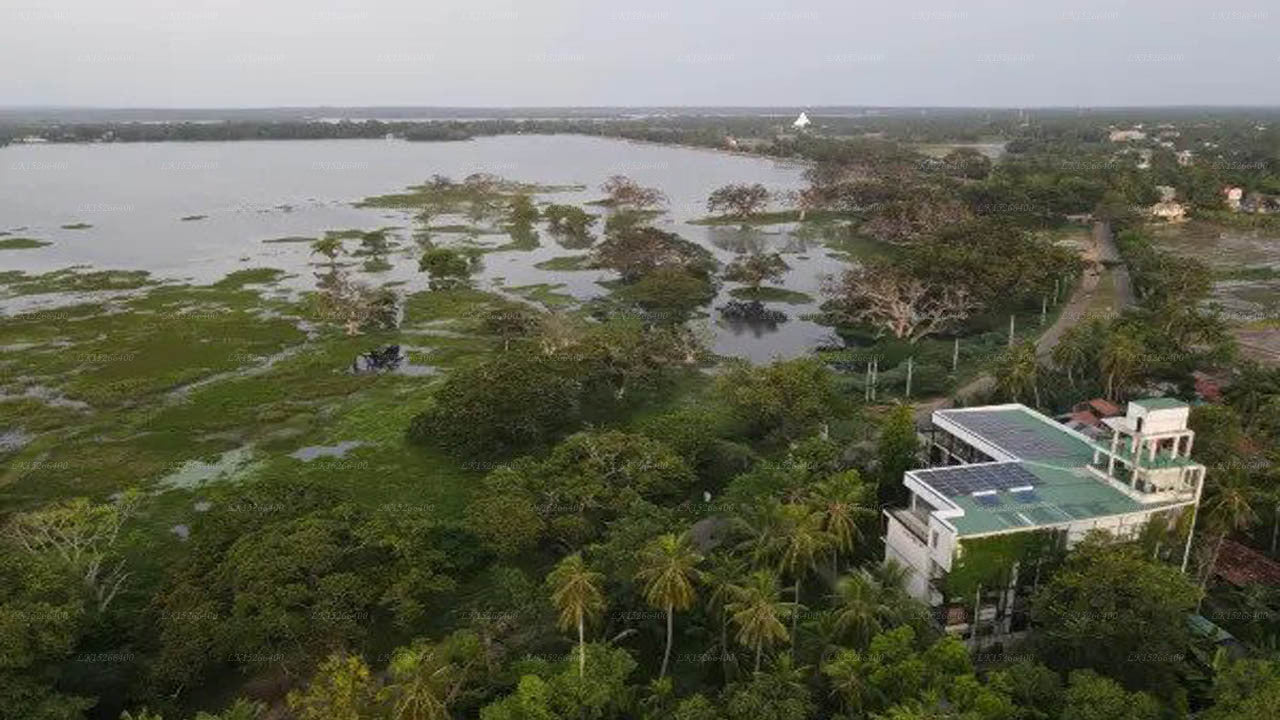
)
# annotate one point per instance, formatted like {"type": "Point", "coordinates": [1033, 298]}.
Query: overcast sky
{"type": "Point", "coordinates": [235, 53]}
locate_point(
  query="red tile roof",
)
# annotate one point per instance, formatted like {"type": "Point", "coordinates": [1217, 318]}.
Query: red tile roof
{"type": "Point", "coordinates": [1241, 565]}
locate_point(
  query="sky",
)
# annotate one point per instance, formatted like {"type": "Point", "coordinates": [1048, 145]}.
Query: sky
{"type": "Point", "coordinates": [501, 53]}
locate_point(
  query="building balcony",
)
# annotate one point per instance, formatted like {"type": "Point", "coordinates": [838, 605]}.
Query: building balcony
{"type": "Point", "coordinates": [1161, 461]}
{"type": "Point", "coordinates": [915, 524]}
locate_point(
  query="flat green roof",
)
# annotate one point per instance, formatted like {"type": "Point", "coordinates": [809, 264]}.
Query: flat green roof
{"type": "Point", "coordinates": [1060, 496]}
{"type": "Point", "coordinates": [1160, 403]}
{"type": "Point", "coordinates": [1024, 434]}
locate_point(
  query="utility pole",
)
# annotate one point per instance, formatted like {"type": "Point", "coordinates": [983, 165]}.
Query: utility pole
{"type": "Point", "coordinates": [955, 354]}
{"type": "Point", "coordinates": [910, 364]}
{"type": "Point", "coordinates": [1044, 310]}
{"type": "Point", "coordinates": [1010, 329]}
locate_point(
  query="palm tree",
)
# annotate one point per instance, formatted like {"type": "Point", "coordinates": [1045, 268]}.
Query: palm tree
{"type": "Point", "coordinates": [423, 683]}
{"type": "Point", "coordinates": [860, 606]}
{"type": "Point", "coordinates": [1228, 509]}
{"type": "Point", "coordinates": [1072, 351]}
{"type": "Point", "coordinates": [668, 569]}
{"type": "Point", "coordinates": [848, 677]}
{"type": "Point", "coordinates": [758, 610]}
{"type": "Point", "coordinates": [793, 539]}
{"type": "Point", "coordinates": [724, 571]}
{"type": "Point", "coordinates": [575, 591]}
{"type": "Point", "coordinates": [1120, 360]}
{"type": "Point", "coordinates": [1017, 370]}
{"type": "Point", "coordinates": [838, 501]}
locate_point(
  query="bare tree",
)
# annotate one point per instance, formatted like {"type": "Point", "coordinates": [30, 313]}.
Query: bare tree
{"type": "Point", "coordinates": [739, 200]}
{"type": "Point", "coordinates": [82, 537]}
{"type": "Point", "coordinates": [890, 299]}
{"type": "Point", "coordinates": [626, 193]}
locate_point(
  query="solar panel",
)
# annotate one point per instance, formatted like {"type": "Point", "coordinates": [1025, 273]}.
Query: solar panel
{"type": "Point", "coordinates": [1024, 437]}
{"type": "Point", "coordinates": [958, 480]}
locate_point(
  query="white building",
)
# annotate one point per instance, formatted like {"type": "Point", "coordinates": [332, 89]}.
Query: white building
{"type": "Point", "coordinates": [801, 122]}
{"type": "Point", "coordinates": [1234, 196]}
{"type": "Point", "coordinates": [1126, 135]}
{"type": "Point", "coordinates": [1005, 469]}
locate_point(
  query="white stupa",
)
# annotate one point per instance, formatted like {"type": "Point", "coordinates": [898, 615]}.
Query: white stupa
{"type": "Point", "coordinates": [801, 122]}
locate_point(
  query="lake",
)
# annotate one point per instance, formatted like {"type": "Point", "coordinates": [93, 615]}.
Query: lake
{"type": "Point", "coordinates": [236, 195]}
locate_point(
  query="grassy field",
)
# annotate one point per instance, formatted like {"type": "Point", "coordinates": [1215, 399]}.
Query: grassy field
{"type": "Point", "coordinates": [179, 386]}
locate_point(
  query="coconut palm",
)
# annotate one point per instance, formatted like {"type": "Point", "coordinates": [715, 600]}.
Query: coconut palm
{"type": "Point", "coordinates": [838, 500]}
{"type": "Point", "coordinates": [721, 576]}
{"type": "Point", "coordinates": [1017, 370]}
{"type": "Point", "coordinates": [668, 569]}
{"type": "Point", "coordinates": [1227, 509]}
{"type": "Point", "coordinates": [758, 611]}
{"type": "Point", "coordinates": [793, 539]}
{"type": "Point", "coordinates": [422, 683]}
{"type": "Point", "coordinates": [1072, 351]}
{"type": "Point", "coordinates": [848, 676]}
{"type": "Point", "coordinates": [575, 591]}
{"type": "Point", "coordinates": [860, 606]}
{"type": "Point", "coordinates": [1120, 359]}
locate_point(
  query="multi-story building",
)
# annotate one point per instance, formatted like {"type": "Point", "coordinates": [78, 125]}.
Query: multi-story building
{"type": "Point", "coordinates": [1004, 469]}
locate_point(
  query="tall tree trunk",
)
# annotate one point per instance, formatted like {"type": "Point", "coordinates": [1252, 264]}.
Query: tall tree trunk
{"type": "Point", "coordinates": [795, 617]}
{"type": "Point", "coordinates": [582, 649]}
{"type": "Point", "coordinates": [1208, 571]}
{"type": "Point", "coordinates": [724, 643]}
{"type": "Point", "coordinates": [1275, 529]}
{"type": "Point", "coordinates": [666, 656]}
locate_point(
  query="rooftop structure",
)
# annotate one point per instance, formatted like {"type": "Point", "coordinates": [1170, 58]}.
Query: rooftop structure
{"type": "Point", "coordinates": [1004, 469]}
{"type": "Point", "coordinates": [801, 122]}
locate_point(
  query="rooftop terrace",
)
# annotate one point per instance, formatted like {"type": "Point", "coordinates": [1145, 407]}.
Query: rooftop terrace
{"type": "Point", "coordinates": [1040, 475]}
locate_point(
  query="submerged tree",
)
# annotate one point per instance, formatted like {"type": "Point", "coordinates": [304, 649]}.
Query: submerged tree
{"type": "Point", "coordinates": [755, 269]}
{"type": "Point", "coordinates": [625, 193]}
{"type": "Point", "coordinates": [739, 199]}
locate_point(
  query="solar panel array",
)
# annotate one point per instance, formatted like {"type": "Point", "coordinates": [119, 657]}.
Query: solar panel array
{"type": "Point", "coordinates": [1025, 439]}
{"type": "Point", "coordinates": [958, 480]}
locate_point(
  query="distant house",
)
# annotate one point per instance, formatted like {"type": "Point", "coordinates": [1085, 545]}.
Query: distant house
{"type": "Point", "coordinates": [1241, 565]}
{"type": "Point", "coordinates": [1126, 135]}
{"type": "Point", "coordinates": [1169, 211]}
{"type": "Point", "coordinates": [1208, 387]}
{"type": "Point", "coordinates": [1086, 417]}
{"type": "Point", "coordinates": [1167, 192]}
{"type": "Point", "coordinates": [1184, 157]}
{"type": "Point", "coordinates": [801, 122]}
{"type": "Point", "coordinates": [1234, 195]}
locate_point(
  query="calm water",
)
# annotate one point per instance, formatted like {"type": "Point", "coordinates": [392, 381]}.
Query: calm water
{"type": "Point", "coordinates": [135, 195]}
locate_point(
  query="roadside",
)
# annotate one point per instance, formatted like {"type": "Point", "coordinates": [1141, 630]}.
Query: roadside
{"type": "Point", "coordinates": [1104, 290]}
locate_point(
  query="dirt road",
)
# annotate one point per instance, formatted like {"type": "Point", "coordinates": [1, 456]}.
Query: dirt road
{"type": "Point", "coordinates": [1093, 295]}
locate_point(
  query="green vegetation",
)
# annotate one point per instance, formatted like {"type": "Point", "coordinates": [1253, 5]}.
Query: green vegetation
{"type": "Point", "coordinates": [565, 263]}
{"type": "Point", "coordinates": [211, 493]}
{"type": "Point", "coordinates": [77, 226]}
{"type": "Point", "coordinates": [22, 243]}
{"type": "Point", "coordinates": [771, 294]}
